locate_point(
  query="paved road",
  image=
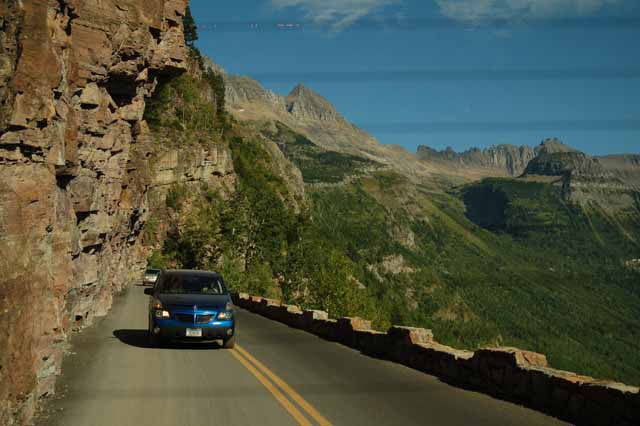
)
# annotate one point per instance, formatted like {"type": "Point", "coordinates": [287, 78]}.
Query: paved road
{"type": "Point", "coordinates": [277, 376]}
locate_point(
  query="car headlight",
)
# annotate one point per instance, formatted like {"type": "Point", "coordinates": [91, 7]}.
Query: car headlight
{"type": "Point", "coordinates": [227, 314]}
{"type": "Point", "coordinates": [161, 313]}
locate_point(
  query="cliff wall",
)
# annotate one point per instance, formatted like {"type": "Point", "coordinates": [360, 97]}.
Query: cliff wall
{"type": "Point", "coordinates": [74, 171]}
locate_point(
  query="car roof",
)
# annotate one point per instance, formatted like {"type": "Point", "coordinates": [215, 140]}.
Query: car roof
{"type": "Point", "coordinates": [192, 272]}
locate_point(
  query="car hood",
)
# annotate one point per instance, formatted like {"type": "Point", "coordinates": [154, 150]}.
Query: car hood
{"type": "Point", "coordinates": [202, 301]}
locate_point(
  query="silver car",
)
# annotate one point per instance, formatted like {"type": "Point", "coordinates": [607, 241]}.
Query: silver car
{"type": "Point", "coordinates": [151, 276]}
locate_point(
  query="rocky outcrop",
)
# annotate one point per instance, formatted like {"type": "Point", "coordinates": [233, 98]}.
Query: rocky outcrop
{"type": "Point", "coordinates": [512, 374]}
{"type": "Point", "coordinates": [73, 172]}
{"type": "Point", "coordinates": [562, 163]}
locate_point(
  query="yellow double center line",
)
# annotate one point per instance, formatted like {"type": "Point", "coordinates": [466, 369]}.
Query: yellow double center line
{"type": "Point", "coordinates": [279, 389]}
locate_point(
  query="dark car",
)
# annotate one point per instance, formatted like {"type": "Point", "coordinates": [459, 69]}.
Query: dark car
{"type": "Point", "coordinates": [192, 306]}
{"type": "Point", "coordinates": [151, 276]}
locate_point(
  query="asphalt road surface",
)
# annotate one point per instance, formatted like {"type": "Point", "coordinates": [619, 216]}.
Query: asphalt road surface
{"type": "Point", "coordinates": [276, 376]}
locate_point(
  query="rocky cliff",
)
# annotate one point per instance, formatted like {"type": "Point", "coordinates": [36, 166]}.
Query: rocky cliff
{"type": "Point", "coordinates": [75, 170]}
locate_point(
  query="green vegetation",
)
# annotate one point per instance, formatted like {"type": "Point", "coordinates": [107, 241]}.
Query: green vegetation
{"type": "Point", "coordinates": [190, 28]}
{"type": "Point", "coordinates": [216, 82]}
{"type": "Point", "coordinates": [499, 262]}
{"type": "Point", "coordinates": [190, 107]}
{"type": "Point", "coordinates": [179, 109]}
{"type": "Point", "coordinates": [548, 278]}
{"type": "Point", "coordinates": [318, 165]}
{"type": "Point", "coordinates": [258, 243]}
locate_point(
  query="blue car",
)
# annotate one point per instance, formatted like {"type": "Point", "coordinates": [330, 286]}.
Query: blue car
{"type": "Point", "coordinates": [193, 306]}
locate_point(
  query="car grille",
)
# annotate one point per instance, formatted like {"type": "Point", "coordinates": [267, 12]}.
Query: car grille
{"type": "Point", "coordinates": [200, 319]}
{"type": "Point", "coordinates": [203, 319]}
{"type": "Point", "coordinates": [184, 318]}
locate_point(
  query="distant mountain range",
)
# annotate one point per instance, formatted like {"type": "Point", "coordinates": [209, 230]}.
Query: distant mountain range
{"type": "Point", "coordinates": [310, 114]}
{"type": "Point", "coordinates": [511, 159]}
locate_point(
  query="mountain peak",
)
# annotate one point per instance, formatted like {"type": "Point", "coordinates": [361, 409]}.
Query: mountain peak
{"type": "Point", "coordinates": [300, 89]}
{"type": "Point", "coordinates": [306, 104]}
{"type": "Point", "coordinates": [551, 145]}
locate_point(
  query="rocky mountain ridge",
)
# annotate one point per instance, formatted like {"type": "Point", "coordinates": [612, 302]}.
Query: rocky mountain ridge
{"type": "Point", "coordinates": [503, 158]}
{"type": "Point", "coordinates": [510, 158]}
{"type": "Point", "coordinates": [313, 116]}
{"type": "Point", "coordinates": [610, 181]}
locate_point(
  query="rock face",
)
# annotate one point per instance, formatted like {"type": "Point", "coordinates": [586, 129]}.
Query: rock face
{"type": "Point", "coordinates": [73, 172]}
{"type": "Point", "coordinates": [509, 159]}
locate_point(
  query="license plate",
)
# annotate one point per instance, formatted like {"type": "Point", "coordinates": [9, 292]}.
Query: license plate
{"type": "Point", "coordinates": [194, 332]}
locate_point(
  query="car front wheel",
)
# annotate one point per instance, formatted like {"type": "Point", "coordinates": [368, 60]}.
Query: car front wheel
{"type": "Point", "coordinates": [154, 340]}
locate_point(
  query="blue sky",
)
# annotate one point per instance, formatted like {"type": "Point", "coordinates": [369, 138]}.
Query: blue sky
{"type": "Point", "coordinates": [458, 73]}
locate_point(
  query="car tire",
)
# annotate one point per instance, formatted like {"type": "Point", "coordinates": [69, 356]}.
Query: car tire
{"type": "Point", "coordinates": [154, 340]}
{"type": "Point", "coordinates": [229, 343]}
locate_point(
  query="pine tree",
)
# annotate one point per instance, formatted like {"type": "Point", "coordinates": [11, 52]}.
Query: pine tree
{"type": "Point", "coordinates": [190, 28]}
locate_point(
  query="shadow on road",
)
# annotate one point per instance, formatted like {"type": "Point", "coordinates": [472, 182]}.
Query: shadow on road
{"type": "Point", "coordinates": [140, 339]}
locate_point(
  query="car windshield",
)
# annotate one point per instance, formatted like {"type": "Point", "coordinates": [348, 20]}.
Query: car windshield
{"type": "Point", "coordinates": [191, 284]}
{"type": "Point", "coordinates": [153, 271]}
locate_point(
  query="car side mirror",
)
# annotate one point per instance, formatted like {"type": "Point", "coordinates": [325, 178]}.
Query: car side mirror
{"type": "Point", "coordinates": [148, 291]}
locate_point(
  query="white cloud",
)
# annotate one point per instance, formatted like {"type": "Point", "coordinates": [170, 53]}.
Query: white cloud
{"type": "Point", "coordinates": [482, 10]}
{"type": "Point", "coordinates": [338, 14]}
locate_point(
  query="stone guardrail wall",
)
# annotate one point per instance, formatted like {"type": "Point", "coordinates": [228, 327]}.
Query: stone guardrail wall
{"type": "Point", "coordinates": [507, 373]}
